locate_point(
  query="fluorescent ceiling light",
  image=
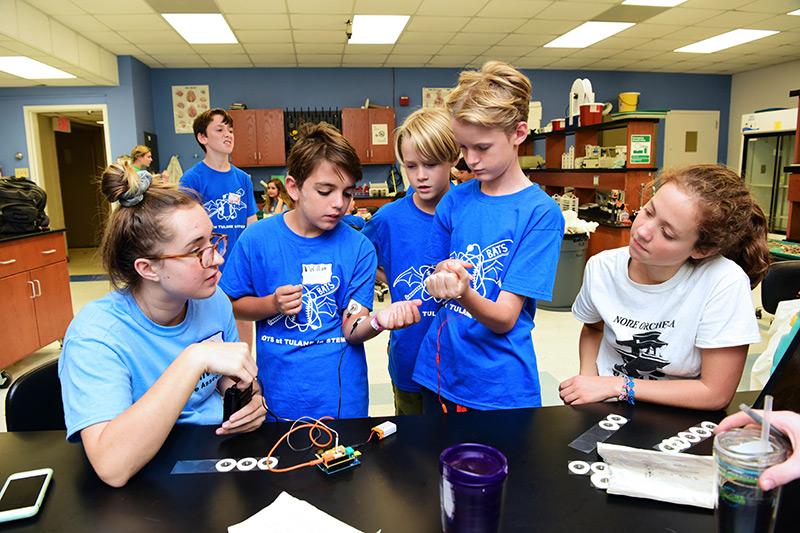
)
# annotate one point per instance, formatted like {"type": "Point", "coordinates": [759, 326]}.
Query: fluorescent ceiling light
{"type": "Point", "coordinates": [655, 3]}
{"type": "Point", "coordinates": [30, 69]}
{"type": "Point", "coordinates": [796, 12]}
{"type": "Point", "coordinates": [201, 28]}
{"type": "Point", "coordinates": [587, 34]}
{"type": "Point", "coordinates": [725, 40]}
{"type": "Point", "coordinates": [377, 29]}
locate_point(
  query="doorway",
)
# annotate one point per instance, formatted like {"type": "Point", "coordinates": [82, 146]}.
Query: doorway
{"type": "Point", "coordinates": [81, 159]}
{"type": "Point", "coordinates": [690, 138]}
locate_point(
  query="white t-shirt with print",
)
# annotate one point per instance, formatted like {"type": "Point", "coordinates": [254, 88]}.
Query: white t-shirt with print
{"type": "Point", "coordinates": [657, 331]}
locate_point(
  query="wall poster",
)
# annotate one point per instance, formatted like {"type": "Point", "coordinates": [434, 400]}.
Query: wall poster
{"type": "Point", "coordinates": [435, 96]}
{"type": "Point", "coordinates": [188, 101]}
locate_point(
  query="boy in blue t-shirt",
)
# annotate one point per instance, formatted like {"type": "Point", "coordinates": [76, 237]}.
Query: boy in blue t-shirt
{"type": "Point", "coordinates": [226, 192]}
{"type": "Point", "coordinates": [502, 235]}
{"type": "Point", "coordinates": [307, 280]}
{"type": "Point", "coordinates": [427, 149]}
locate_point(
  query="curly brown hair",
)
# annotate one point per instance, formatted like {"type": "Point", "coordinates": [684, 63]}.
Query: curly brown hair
{"type": "Point", "coordinates": [730, 219]}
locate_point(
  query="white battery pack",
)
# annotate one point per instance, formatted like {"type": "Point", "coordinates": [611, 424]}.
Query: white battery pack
{"type": "Point", "coordinates": [385, 429]}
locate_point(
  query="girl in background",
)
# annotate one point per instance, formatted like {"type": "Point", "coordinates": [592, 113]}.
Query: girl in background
{"type": "Point", "coordinates": [276, 199]}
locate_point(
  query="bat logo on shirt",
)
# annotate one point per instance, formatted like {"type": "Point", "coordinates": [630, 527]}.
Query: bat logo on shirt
{"type": "Point", "coordinates": [318, 301]}
{"type": "Point", "coordinates": [414, 278]}
{"type": "Point", "coordinates": [487, 263]}
{"type": "Point", "coordinates": [226, 207]}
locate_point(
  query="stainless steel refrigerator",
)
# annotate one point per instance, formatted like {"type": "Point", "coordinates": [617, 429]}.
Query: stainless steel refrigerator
{"type": "Point", "coordinates": [763, 159]}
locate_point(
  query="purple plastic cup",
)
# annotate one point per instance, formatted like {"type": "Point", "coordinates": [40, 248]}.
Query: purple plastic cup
{"type": "Point", "coordinates": [471, 487]}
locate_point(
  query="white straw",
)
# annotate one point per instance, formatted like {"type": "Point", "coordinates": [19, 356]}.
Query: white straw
{"type": "Point", "coordinates": [765, 447]}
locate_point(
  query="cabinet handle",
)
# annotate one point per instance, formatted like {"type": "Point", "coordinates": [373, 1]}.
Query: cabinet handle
{"type": "Point", "coordinates": [48, 252]}
{"type": "Point", "coordinates": [33, 290]}
{"type": "Point", "coordinates": [9, 262]}
{"type": "Point", "coordinates": [259, 156]}
{"type": "Point", "coordinates": [38, 287]}
{"type": "Point", "coordinates": [255, 156]}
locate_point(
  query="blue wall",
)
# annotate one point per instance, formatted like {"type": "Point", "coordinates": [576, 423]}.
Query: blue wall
{"type": "Point", "coordinates": [143, 99]}
{"type": "Point", "coordinates": [348, 87]}
{"type": "Point", "coordinates": [121, 112]}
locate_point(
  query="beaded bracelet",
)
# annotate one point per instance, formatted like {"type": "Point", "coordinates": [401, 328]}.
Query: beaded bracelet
{"type": "Point", "coordinates": [628, 393]}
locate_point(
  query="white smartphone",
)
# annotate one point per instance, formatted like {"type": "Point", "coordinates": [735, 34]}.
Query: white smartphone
{"type": "Point", "coordinates": [22, 494]}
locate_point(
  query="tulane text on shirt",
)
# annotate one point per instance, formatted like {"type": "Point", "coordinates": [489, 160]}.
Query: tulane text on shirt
{"type": "Point", "coordinates": [205, 380]}
{"type": "Point", "coordinates": [639, 324]}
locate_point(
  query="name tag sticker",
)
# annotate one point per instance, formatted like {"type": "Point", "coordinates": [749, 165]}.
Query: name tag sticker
{"type": "Point", "coordinates": [233, 198]}
{"type": "Point", "coordinates": [317, 274]}
{"type": "Point", "coordinates": [216, 337]}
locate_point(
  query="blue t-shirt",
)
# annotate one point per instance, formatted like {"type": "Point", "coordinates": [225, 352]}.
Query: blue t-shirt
{"type": "Point", "coordinates": [513, 242]}
{"type": "Point", "coordinates": [298, 357]}
{"type": "Point", "coordinates": [227, 198]}
{"type": "Point", "coordinates": [354, 221]}
{"type": "Point", "coordinates": [396, 231]}
{"type": "Point", "coordinates": [113, 354]}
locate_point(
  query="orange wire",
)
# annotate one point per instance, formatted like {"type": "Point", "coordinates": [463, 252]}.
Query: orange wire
{"type": "Point", "coordinates": [316, 425]}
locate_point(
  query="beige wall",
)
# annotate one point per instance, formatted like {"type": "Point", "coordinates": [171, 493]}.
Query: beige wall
{"type": "Point", "coordinates": [758, 89]}
{"type": "Point", "coordinates": [49, 166]}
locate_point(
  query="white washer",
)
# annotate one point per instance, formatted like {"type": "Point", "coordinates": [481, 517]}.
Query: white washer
{"type": "Point", "coordinates": [599, 467]}
{"type": "Point", "coordinates": [708, 425]}
{"type": "Point", "coordinates": [267, 463]}
{"type": "Point", "coordinates": [600, 480]}
{"type": "Point", "coordinates": [617, 419]}
{"type": "Point", "coordinates": [609, 425]}
{"type": "Point", "coordinates": [701, 432]}
{"type": "Point", "coordinates": [248, 463]}
{"type": "Point", "coordinates": [225, 465]}
{"type": "Point", "coordinates": [578, 467]}
{"type": "Point", "coordinates": [689, 436]}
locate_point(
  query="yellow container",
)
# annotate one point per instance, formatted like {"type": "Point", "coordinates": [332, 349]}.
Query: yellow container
{"type": "Point", "coordinates": [628, 102]}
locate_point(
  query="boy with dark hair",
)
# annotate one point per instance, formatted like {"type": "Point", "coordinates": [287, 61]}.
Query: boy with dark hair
{"type": "Point", "coordinates": [307, 280]}
{"type": "Point", "coordinates": [225, 191]}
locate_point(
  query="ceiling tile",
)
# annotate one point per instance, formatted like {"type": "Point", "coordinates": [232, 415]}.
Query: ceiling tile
{"type": "Point", "coordinates": [150, 22]}
{"type": "Point", "coordinates": [182, 59]}
{"type": "Point", "coordinates": [55, 7]}
{"type": "Point", "coordinates": [371, 49]}
{"type": "Point", "coordinates": [128, 7]}
{"type": "Point", "coordinates": [731, 20]}
{"type": "Point", "coordinates": [507, 51]}
{"type": "Point", "coordinates": [123, 49]}
{"type": "Point", "coordinates": [478, 38]}
{"type": "Point", "coordinates": [522, 39]}
{"type": "Point", "coordinates": [575, 11]}
{"type": "Point", "coordinates": [82, 23]}
{"type": "Point", "coordinates": [780, 23]}
{"type": "Point", "coordinates": [105, 37]}
{"type": "Point", "coordinates": [692, 34]}
{"type": "Point", "coordinates": [550, 53]}
{"type": "Point", "coordinates": [775, 7]}
{"type": "Point", "coordinates": [621, 43]}
{"type": "Point", "coordinates": [382, 7]}
{"type": "Point", "coordinates": [483, 24]}
{"type": "Point", "coordinates": [568, 63]}
{"type": "Point", "coordinates": [530, 62]}
{"type": "Point", "coordinates": [227, 60]}
{"type": "Point", "coordinates": [450, 60]}
{"type": "Point", "coordinates": [310, 48]}
{"type": "Point", "coordinates": [261, 37]}
{"type": "Point", "coordinates": [716, 4]}
{"type": "Point", "coordinates": [418, 24]}
{"type": "Point", "coordinates": [274, 61]}
{"type": "Point", "coordinates": [538, 26]}
{"type": "Point", "coordinates": [328, 59]}
{"type": "Point", "coordinates": [446, 8]}
{"type": "Point", "coordinates": [218, 49]}
{"type": "Point", "coordinates": [276, 48]}
{"type": "Point", "coordinates": [319, 36]}
{"type": "Point", "coordinates": [320, 6]}
{"type": "Point", "coordinates": [684, 16]}
{"type": "Point", "coordinates": [258, 21]}
{"type": "Point", "coordinates": [462, 49]}
{"type": "Point", "coordinates": [662, 44]}
{"type": "Point", "coordinates": [407, 59]}
{"type": "Point", "coordinates": [156, 36]}
{"type": "Point", "coordinates": [173, 48]}
{"type": "Point", "coordinates": [649, 31]}
{"type": "Point", "coordinates": [148, 60]}
{"type": "Point", "coordinates": [513, 8]}
{"type": "Point", "coordinates": [371, 59]}
{"type": "Point", "coordinates": [608, 64]}
{"type": "Point", "coordinates": [419, 37]}
{"type": "Point", "coordinates": [591, 53]}
{"type": "Point", "coordinates": [416, 49]}
{"type": "Point", "coordinates": [250, 6]}
{"type": "Point", "coordinates": [319, 22]}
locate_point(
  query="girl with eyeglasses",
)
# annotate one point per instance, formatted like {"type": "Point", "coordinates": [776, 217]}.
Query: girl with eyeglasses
{"type": "Point", "coordinates": [162, 346]}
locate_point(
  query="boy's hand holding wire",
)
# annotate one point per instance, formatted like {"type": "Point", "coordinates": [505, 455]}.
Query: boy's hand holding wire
{"type": "Point", "coordinates": [399, 315]}
{"type": "Point", "coordinates": [289, 299]}
{"type": "Point", "coordinates": [450, 280]}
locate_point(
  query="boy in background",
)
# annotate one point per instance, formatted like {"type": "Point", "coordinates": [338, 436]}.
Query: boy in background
{"type": "Point", "coordinates": [427, 149]}
{"type": "Point", "coordinates": [226, 191]}
{"type": "Point", "coordinates": [307, 280]}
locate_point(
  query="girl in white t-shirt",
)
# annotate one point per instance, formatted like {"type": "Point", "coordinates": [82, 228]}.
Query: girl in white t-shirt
{"type": "Point", "coordinates": [668, 319]}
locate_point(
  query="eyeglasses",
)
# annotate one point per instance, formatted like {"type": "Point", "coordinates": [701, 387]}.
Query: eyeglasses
{"type": "Point", "coordinates": [219, 243]}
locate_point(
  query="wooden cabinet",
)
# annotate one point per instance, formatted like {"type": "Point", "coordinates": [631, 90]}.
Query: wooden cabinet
{"type": "Point", "coordinates": [259, 138]}
{"type": "Point", "coordinates": [793, 194]}
{"type": "Point", "coordinates": [36, 305]}
{"type": "Point", "coordinates": [371, 132]}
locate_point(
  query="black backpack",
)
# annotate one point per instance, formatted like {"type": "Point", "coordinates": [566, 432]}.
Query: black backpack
{"type": "Point", "coordinates": [22, 205]}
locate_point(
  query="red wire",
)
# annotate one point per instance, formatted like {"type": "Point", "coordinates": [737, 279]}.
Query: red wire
{"type": "Point", "coordinates": [438, 373]}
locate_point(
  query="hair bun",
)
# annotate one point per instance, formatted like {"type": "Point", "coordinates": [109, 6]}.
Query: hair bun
{"type": "Point", "coordinates": [121, 183]}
